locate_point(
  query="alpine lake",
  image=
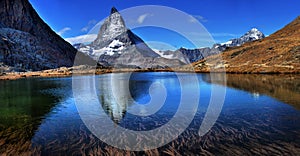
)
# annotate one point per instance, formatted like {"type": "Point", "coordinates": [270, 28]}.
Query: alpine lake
{"type": "Point", "coordinates": [260, 114]}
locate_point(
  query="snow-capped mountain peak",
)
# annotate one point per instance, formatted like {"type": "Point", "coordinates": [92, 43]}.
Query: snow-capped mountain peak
{"type": "Point", "coordinates": [112, 27]}
{"type": "Point", "coordinates": [254, 30]}
{"type": "Point", "coordinates": [253, 34]}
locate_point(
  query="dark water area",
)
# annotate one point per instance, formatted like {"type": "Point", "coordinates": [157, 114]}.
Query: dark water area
{"type": "Point", "coordinates": [260, 114]}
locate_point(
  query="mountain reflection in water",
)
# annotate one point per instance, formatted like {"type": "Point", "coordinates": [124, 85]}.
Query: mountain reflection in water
{"type": "Point", "coordinates": [116, 96]}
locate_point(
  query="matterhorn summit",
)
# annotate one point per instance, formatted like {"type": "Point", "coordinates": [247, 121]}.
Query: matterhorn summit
{"type": "Point", "coordinates": [118, 46]}
{"type": "Point", "coordinates": [112, 27]}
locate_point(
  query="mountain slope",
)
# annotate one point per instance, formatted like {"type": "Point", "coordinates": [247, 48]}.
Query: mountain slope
{"type": "Point", "coordinates": [118, 46]}
{"type": "Point", "coordinates": [27, 42]}
{"type": "Point", "coordinates": [278, 53]}
{"type": "Point", "coordinates": [193, 55]}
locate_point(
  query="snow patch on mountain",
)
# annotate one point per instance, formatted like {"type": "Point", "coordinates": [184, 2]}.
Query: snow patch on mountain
{"type": "Point", "coordinates": [164, 54]}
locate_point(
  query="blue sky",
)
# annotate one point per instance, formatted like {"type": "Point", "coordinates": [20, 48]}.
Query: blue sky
{"type": "Point", "coordinates": [223, 19]}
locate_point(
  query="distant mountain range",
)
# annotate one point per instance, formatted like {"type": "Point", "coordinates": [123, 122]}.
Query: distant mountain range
{"type": "Point", "coordinates": [28, 43]}
{"type": "Point", "coordinates": [193, 55]}
{"type": "Point", "coordinates": [277, 53]}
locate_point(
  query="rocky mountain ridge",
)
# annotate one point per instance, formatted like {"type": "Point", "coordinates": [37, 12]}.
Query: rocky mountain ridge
{"type": "Point", "coordinates": [193, 55]}
{"type": "Point", "coordinates": [28, 43]}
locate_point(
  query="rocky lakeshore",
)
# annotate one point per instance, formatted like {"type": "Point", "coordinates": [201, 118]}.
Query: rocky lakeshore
{"type": "Point", "coordinates": [59, 72]}
{"type": "Point", "coordinates": [88, 70]}
{"type": "Point", "coordinates": [73, 71]}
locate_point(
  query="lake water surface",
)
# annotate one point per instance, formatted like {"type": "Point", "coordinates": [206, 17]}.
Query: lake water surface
{"type": "Point", "coordinates": [260, 114]}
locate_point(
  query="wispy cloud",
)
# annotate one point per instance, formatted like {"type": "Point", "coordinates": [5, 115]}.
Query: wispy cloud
{"type": "Point", "coordinates": [224, 35]}
{"type": "Point", "coordinates": [90, 24]}
{"type": "Point", "coordinates": [64, 30]}
{"type": "Point", "coordinates": [82, 39]}
{"type": "Point", "coordinates": [197, 18]}
{"type": "Point", "coordinates": [142, 18]}
{"type": "Point", "coordinates": [200, 18]}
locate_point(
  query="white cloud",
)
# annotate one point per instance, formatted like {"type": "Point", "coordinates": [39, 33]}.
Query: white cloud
{"type": "Point", "coordinates": [142, 18]}
{"type": "Point", "coordinates": [85, 29]}
{"type": "Point", "coordinates": [90, 24]}
{"type": "Point", "coordinates": [64, 30]}
{"type": "Point", "coordinates": [197, 18]}
{"type": "Point", "coordinates": [82, 39]}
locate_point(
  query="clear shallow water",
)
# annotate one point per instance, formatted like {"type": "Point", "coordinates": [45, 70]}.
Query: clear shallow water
{"type": "Point", "coordinates": [260, 115]}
